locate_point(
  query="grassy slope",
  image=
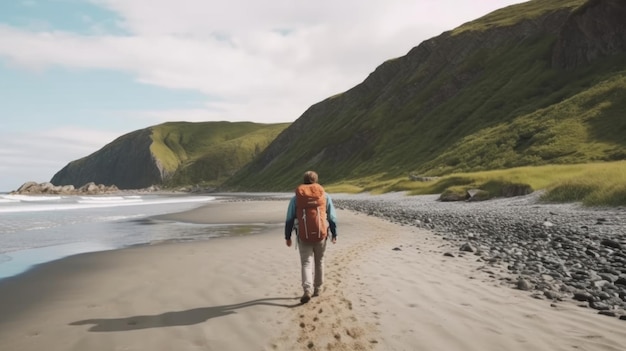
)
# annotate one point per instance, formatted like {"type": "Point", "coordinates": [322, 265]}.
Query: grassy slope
{"type": "Point", "coordinates": [588, 126]}
{"type": "Point", "coordinates": [517, 111]}
{"type": "Point", "coordinates": [208, 152]}
{"type": "Point", "coordinates": [520, 112]}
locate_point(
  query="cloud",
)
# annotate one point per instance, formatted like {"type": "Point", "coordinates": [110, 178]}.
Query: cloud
{"type": "Point", "coordinates": [214, 67]}
{"type": "Point", "coordinates": [243, 50]}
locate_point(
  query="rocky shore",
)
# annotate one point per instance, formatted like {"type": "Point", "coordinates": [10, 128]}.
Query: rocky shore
{"type": "Point", "coordinates": [91, 188]}
{"type": "Point", "coordinates": [555, 251]}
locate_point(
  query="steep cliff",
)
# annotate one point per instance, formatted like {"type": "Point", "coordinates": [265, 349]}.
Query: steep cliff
{"type": "Point", "coordinates": [126, 162]}
{"type": "Point", "coordinates": [535, 83]}
{"type": "Point", "coordinates": [593, 31]}
{"type": "Point", "coordinates": [175, 153]}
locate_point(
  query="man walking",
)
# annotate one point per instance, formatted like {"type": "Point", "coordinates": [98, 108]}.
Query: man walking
{"type": "Point", "coordinates": [315, 214]}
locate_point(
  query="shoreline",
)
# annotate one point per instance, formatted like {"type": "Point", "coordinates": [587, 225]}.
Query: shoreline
{"type": "Point", "coordinates": [21, 261]}
{"type": "Point", "coordinates": [389, 286]}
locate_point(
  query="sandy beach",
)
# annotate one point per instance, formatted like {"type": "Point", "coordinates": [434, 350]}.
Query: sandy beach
{"type": "Point", "coordinates": [388, 287]}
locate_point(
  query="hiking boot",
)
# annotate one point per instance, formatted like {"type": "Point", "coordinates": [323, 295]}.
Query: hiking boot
{"type": "Point", "coordinates": [317, 292]}
{"type": "Point", "coordinates": [306, 297]}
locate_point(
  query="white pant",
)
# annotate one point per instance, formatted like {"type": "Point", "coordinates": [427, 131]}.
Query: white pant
{"type": "Point", "coordinates": [312, 277]}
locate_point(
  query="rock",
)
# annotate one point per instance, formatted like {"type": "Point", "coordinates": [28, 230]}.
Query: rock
{"type": "Point", "coordinates": [523, 284]}
{"type": "Point", "coordinates": [552, 295]}
{"type": "Point", "coordinates": [26, 187]}
{"type": "Point", "coordinates": [608, 313]}
{"type": "Point", "coordinates": [584, 39]}
{"type": "Point", "coordinates": [476, 195]}
{"type": "Point", "coordinates": [600, 283]}
{"type": "Point", "coordinates": [620, 281]}
{"type": "Point", "coordinates": [600, 306]}
{"type": "Point", "coordinates": [512, 190]}
{"type": "Point", "coordinates": [467, 247]}
{"type": "Point", "coordinates": [582, 296]}
{"type": "Point", "coordinates": [33, 188]}
{"type": "Point", "coordinates": [90, 187]}
{"type": "Point", "coordinates": [611, 243]}
{"type": "Point", "coordinates": [450, 196]}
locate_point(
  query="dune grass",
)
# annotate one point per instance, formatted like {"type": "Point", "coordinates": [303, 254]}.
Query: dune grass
{"type": "Point", "coordinates": [597, 186]}
{"type": "Point", "coordinates": [592, 184]}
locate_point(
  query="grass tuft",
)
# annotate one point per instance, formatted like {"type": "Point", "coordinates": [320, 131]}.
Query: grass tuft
{"type": "Point", "coordinates": [592, 184]}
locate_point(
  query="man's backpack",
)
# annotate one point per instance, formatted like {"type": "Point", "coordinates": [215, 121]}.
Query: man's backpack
{"type": "Point", "coordinates": [311, 212]}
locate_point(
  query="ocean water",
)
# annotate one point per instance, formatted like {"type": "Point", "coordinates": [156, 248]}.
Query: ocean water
{"type": "Point", "coordinates": [39, 229]}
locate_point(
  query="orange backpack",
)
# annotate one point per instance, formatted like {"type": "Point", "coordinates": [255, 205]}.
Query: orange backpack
{"type": "Point", "coordinates": [311, 212]}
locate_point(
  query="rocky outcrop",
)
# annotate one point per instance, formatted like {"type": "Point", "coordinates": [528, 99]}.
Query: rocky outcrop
{"type": "Point", "coordinates": [91, 188]}
{"type": "Point", "coordinates": [127, 163]}
{"type": "Point", "coordinates": [448, 55]}
{"type": "Point", "coordinates": [593, 31]}
{"type": "Point", "coordinates": [172, 154]}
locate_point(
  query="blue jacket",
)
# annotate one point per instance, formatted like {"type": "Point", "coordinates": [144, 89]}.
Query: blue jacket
{"type": "Point", "coordinates": [331, 215]}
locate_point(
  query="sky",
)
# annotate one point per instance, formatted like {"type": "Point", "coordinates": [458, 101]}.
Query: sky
{"type": "Point", "coordinates": [77, 74]}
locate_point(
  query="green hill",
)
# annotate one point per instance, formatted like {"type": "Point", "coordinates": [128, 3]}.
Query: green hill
{"type": "Point", "coordinates": [539, 83]}
{"type": "Point", "coordinates": [209, 152]}
{"type": "Point", "coordinates": [172, 154]}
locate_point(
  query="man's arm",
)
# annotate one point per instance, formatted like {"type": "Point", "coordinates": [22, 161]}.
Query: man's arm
{"type": "Point", "coordinates": [331, 215]}
{"type": "Point", "coordinates": [289, 221]}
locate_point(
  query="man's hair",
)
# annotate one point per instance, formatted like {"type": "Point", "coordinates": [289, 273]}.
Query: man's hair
{"type": "Point", "coordinates": [310, 177]}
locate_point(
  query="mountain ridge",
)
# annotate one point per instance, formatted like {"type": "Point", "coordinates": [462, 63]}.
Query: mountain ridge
{"type": "Point", "coordinates": [541, 82]}
{"type": "Point", "coordinates": [169, 154]}
{"type": "Point", "coordinates": [411, 112]}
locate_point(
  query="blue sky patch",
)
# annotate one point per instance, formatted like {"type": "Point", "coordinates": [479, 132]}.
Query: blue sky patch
{"type": "Point", "coordinates": [83, 97]}
{"type": "Point", "coordinates": [77, 16]}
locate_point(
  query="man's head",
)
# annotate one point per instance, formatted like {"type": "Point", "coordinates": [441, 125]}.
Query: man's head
{"type": "Point", "coordinates": [310, 177]}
